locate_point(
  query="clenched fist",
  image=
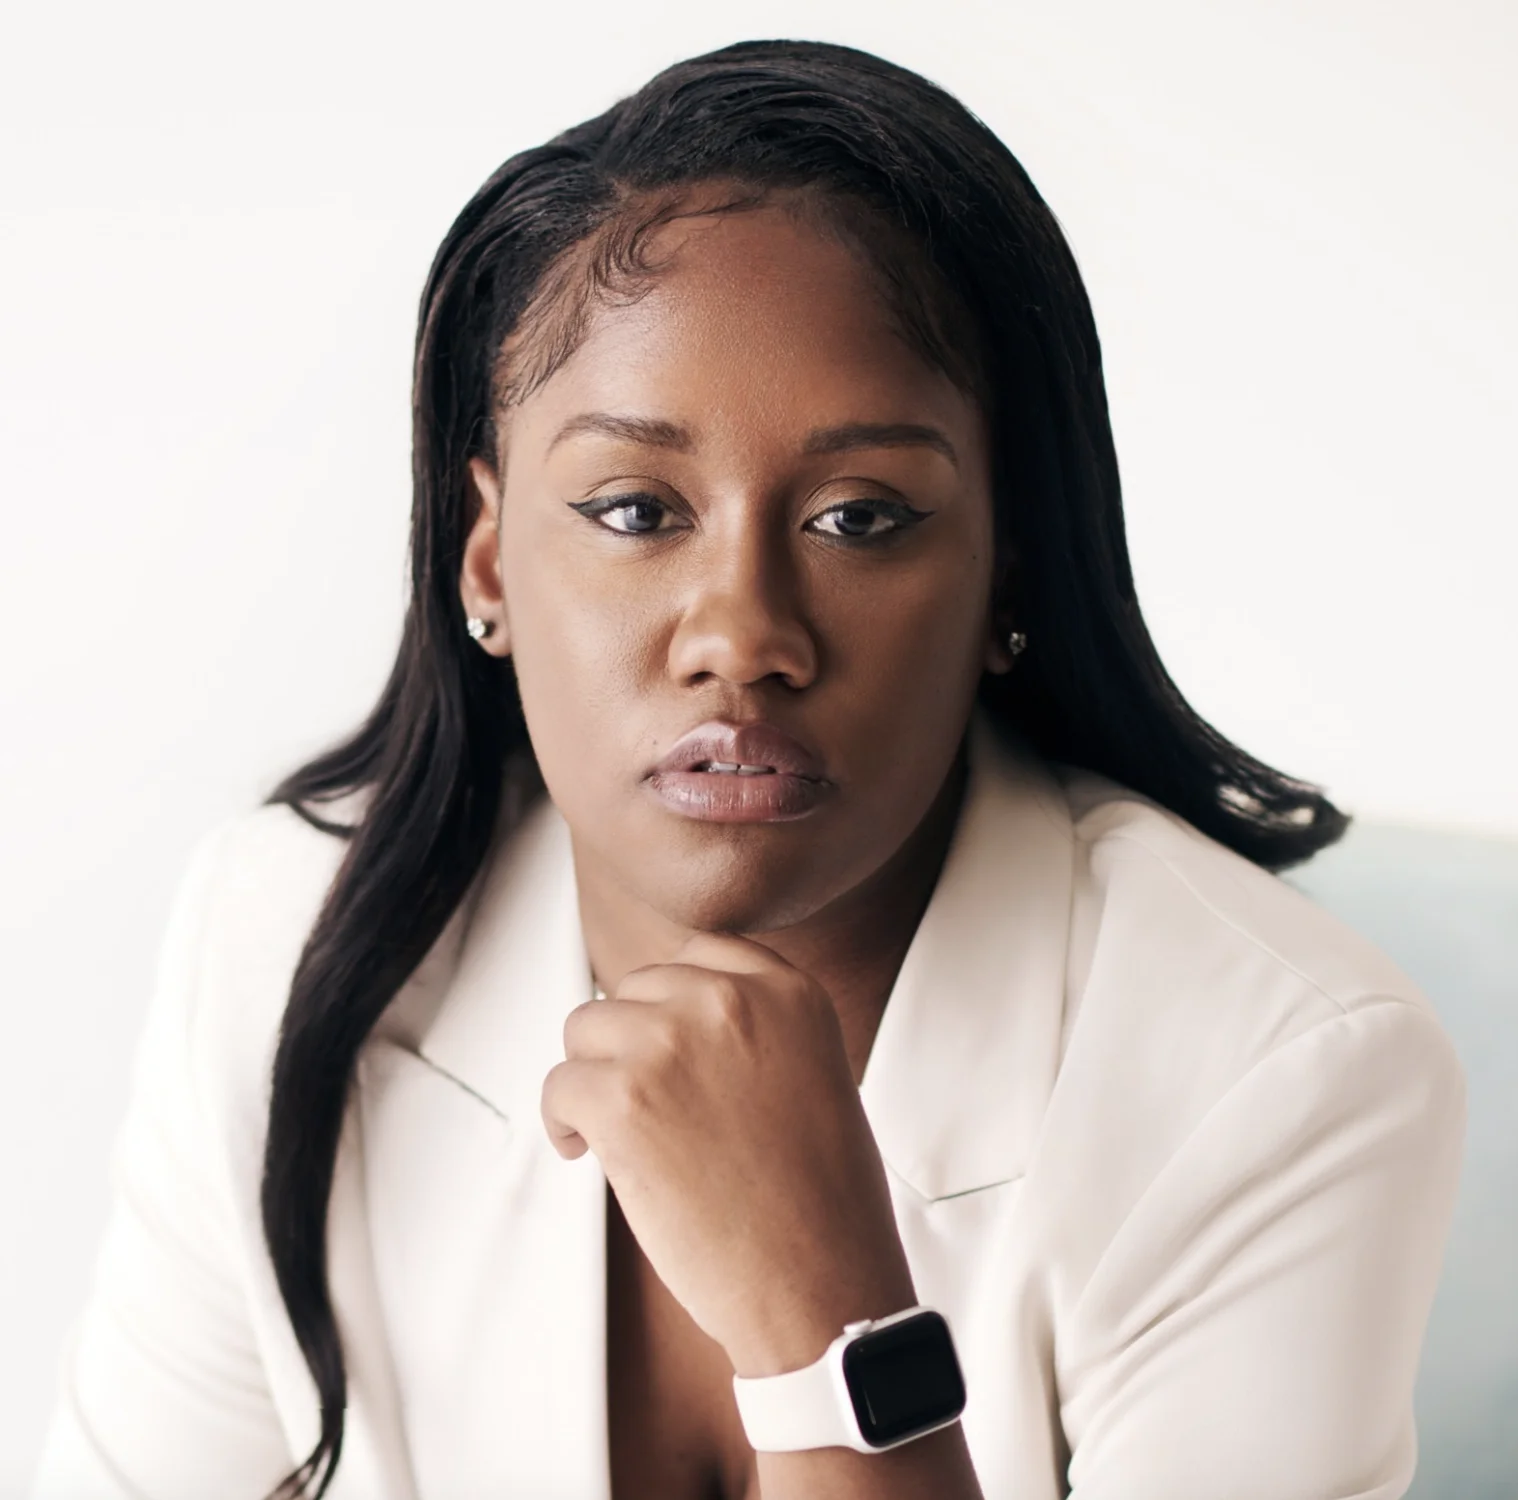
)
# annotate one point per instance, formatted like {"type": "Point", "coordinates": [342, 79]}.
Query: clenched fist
{"type": "Point", "coordinates": [716, 1093]}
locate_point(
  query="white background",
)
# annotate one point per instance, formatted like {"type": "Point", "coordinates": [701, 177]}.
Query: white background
{"type": "Point", "coordinates": [1296, 220]}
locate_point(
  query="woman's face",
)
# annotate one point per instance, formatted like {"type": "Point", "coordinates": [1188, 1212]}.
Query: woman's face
{"type": "Point", "coordinates": [744, 499]}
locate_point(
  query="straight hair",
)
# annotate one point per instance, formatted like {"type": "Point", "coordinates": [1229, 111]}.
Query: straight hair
{"type": "Point", "coordinates": [981, 279]}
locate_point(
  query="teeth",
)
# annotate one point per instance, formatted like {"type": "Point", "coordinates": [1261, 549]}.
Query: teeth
{"type": "Point", "coordinates": [736, 768]}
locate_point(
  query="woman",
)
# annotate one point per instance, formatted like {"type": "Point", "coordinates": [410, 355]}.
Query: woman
{"type": "Point", "coordinates": [773, 673]}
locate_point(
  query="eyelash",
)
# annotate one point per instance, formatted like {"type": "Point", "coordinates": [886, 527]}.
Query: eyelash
{"type": "Point", "coordinates": [905, 516]}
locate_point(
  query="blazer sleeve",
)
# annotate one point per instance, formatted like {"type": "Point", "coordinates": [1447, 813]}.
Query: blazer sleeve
{"type": "Point", "coordinates": [1253, 1329]}
{"type": "Point", "coordinates": [162, 1392]}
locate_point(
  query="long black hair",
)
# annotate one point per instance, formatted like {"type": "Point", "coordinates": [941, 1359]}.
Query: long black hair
{"type": "Point", "coordinates": [972, 253]}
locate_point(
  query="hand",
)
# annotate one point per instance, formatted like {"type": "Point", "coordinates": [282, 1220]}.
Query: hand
{"type": "Point", "coordinates": [716, 1092]}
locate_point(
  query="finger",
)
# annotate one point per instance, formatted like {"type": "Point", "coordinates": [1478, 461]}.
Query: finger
{"type": "Point", "coordinates": [616, 1028]}
{"type": "Point", "coordinates": [573, 1103]}
{"type": "Point", "coordinates": [703, 953]}
{"type": "Point", "coordinates": [571, 1145]}
{"type": "Point", "coordinates": [729, 952]}
{"type": "Point", "coordinates": [669, 982]}
{"type": "Point", "coordinates": [675, 982]}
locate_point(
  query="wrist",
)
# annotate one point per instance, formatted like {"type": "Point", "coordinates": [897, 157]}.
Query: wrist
{"type": "Point", "coordinates": [880, 1385]}
{"type": "Point", "coordinates": [796, 1328]}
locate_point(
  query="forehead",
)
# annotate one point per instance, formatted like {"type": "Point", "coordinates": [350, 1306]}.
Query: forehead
{"type": "Point", "coordinates": [748, 319]}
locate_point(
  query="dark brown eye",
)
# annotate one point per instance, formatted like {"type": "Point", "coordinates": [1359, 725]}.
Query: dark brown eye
{"type": "Point", "coordinates": [635, 515]}
{"type": "Point", "coordinates": [867, 520]}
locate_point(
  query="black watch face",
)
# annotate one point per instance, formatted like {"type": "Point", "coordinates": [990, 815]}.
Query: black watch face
{"type": "Point", "coordinates": [904, 1378]}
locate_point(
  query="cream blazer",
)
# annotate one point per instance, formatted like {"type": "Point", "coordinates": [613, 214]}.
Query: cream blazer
{"type": "Point", "coordinates": [1172, 1149]}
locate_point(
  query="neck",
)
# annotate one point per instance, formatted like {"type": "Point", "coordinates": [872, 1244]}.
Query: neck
{"type": "Point", "coordinates": [853, 947]}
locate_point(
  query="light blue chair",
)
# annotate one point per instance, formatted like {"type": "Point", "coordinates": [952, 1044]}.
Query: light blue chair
{"type": "Point", "coordinates": [1445, 907]}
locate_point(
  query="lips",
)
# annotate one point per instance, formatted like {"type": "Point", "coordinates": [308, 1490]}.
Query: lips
{"type": "Point", "coordinates": [740, 750]}
{"type": "Point", "coordinates": [749, 773]}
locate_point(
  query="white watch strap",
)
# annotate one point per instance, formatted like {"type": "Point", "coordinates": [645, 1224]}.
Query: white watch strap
{"type": "Point", "coordinates": [805, 1408]}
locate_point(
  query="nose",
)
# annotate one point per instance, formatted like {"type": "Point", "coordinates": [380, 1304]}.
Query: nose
{"type": "Point", "coordinates": [742, 621]}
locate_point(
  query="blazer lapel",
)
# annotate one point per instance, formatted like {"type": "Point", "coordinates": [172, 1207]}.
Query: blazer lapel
{"type": "Point", "coordinates": [964, 1062]}
{"type": "Point", "coordinates": [489, 1249]}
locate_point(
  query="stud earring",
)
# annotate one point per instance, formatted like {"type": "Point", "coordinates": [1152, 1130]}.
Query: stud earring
{"type": "Point", "coordinates": [478, 629]}
{"type": "Point", "coordinates": [1017, 642]}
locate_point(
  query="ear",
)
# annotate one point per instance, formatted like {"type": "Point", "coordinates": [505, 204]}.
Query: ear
{"type": "Point", "coordinates": [480, 586]}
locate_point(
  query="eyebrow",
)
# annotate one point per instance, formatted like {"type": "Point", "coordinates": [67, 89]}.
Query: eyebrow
{"type": "Point", "coordinates": [880, 435]}
{"type": "Point", "coordinates": [654, 433]}
{"type": "Point", "coordinates": [649, 431]}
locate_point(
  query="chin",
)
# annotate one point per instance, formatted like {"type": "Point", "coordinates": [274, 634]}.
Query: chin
{"type": "Point", "coordinates": [735, 892]}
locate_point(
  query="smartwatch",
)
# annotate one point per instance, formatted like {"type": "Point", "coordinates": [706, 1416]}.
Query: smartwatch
{"type": "Point", "coordinates": [878, 1385]}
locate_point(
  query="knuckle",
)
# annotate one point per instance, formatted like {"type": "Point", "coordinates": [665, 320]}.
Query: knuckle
{"type": "Point", "coordinates": [553, 1088]}
{"type": "Point", "coordinates": [701, 945]}
{"type": "Point", "coordinates": [725, 998]}
{"type": "Point", "coordinates": [625, 1096]}
{"type": "Point", "coordinates": [666, 1039]}
{"type": "Point", "coordinates": [574, 1024]}
{"type": "Point", "coordinates": [727, 1006]}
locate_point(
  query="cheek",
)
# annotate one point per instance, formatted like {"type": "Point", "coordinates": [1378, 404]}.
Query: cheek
{"type": "Point", "coordinates": [908, 660]}
{"type": "Point", "coordinates": [911, 633]}
{"type": "Point", "coordinates": [582, 650]}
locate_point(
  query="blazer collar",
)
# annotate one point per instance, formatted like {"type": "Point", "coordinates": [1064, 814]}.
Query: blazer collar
{"type": "Point", "coordinates": [965, 1058]}
{"type": "Point", "coordinates": [964, 1061]}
